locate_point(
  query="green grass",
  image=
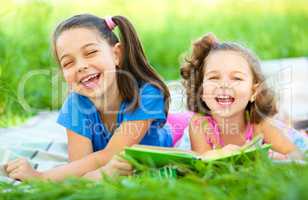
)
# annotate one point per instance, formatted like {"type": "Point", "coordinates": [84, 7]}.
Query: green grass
{"type": "Point", "coordinates": [273, 29]}
{"type": "Point", "coordinates": [260, 179]}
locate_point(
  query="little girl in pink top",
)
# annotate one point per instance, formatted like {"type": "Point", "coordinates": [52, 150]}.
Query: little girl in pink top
{"type": "Point", "coordinates": [230, 101]}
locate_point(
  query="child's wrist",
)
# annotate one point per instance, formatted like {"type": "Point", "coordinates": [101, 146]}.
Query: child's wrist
{"type": "Point", "coordinates": [296, 155]}
{"type": "Point", "coordinates": [41, 175]}
{"type": "Point", "coordinates": [106, 170]}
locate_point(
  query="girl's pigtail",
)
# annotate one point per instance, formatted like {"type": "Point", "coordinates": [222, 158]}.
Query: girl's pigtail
{"type": "Point", "coordinates": [135, 61]}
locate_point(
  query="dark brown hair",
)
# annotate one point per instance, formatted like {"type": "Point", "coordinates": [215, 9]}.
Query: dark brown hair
{"type": "Point", "coordinates": [193, 68]}
{"type": "Point", "coordinates": [134, 61]}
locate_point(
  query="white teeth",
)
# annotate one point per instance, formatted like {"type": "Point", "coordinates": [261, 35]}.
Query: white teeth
{"type": "Point", "coordinates": [225, 103]}
{"type": "Point", "coordinates": [224, 97]}
{"type": "Point", "coordinates": [224, 100]}
{"type": "Point", "coordinates": [89, 77]}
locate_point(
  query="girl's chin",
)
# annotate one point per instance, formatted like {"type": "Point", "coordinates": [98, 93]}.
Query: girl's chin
{"type": "Point", "coordinates": [224, 115]}
{"type": "Point", "coordinates": [91, 93]}
{"type": "Point", "coordinates": [223, 112]}
{"type": "Point", "coordinates": [227, 113]}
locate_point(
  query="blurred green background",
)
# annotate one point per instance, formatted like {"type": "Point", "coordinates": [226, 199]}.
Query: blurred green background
{"type": "Point", "coordinates": [272, 28]}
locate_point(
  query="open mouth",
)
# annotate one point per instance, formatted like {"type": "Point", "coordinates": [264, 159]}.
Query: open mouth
{"type": "Point", "coordinates": [224, 100]}
{"type": "Point", "coordinates": [90, 81]}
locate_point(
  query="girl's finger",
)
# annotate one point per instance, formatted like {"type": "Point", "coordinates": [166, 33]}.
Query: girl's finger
{"type": "Point", "coordinates": [12, 167]}
{"type": "Point", "coordinates": [14, 174]}
{"type": "Point", "coordinates": [119, 158]}
{"type": "Point", "coordinates": [19, 161]}
{"type": "Point", "coordinates": [231, 147]}
{"type": "Point", "coordinates": [278, 156]}
{"type": "Point", "coordinates": [124, 166]}
{"type": "Point", "coordinates": [124, 172]}
{"type": "Point", "coordinates": [12, 162]}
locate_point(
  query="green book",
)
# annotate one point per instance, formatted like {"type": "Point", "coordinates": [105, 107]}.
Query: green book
{"type": "Point", "coordinates": [161, 156]}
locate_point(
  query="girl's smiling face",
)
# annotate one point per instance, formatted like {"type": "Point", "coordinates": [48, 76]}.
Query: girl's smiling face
{"type": "Point", "coordinates": [88, 62]}
{"type": "Point", "coordinates": [227, 84]}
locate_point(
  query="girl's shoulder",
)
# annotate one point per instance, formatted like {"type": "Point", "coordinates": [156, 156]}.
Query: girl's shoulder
{"type": "Point", "coordinates": [257, 128]}
{"type": "Point", "coordinates": [198, 119]}
{"type": "Point", "coordinates": [148, 88]}
{"type": "Point", "coordinates": [77, 99]}
{"type": "Point", "coordinates": [266, 125]}
{"type": "Point", "coordinates": [75, 102]}
{"type": "Point", "coordinates": [200, 123]}
{"type": "Point", "coordinates": [271, 127]}
{"type": "Point", "coordinates": [195, 119]}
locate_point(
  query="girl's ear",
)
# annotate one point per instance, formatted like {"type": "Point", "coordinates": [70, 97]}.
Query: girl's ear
{"type": "Point", "coordinates": [118, 53]}
{"type": "Point", "coordinates": [255, 88]}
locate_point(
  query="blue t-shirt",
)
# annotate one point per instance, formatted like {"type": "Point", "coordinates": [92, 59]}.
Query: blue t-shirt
{"type": "Point", "coordinates": [80, 115]}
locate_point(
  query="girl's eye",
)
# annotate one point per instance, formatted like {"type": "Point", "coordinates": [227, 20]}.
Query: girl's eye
{"type": "Point", "coordinates": [66, 64]}
{"type": "Point", "coordinates": [237, 78]}
{"type": "Point", "coordinates": [91, 52]}
{"type": "Point", "coordinates": [213, 78]}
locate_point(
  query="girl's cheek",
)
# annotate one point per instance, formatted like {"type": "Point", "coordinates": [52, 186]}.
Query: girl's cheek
{"type": "Point", "coordinates": [245, 88]}
{"type": "Point", "coordinates": [105, 60]}
{"type": "Point", "coordinates": [207, 92]}
{"type": "Point", "coordinates": [209, 89]}
{"type": "Point", "coordinates": [244, 94]}
{"type": "Point", "coordinates": [68, 76]}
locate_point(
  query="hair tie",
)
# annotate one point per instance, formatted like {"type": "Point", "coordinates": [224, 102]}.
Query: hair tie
{"type": "Point", "coordinates": [110, 23]}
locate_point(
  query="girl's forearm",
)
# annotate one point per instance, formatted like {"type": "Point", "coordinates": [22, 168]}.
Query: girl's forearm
{"type": "Point", "coordinates": [77, 168]}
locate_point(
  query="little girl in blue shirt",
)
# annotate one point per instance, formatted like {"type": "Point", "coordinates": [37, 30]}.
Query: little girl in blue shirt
{"type": "Point", "coordinates": [116, 99]}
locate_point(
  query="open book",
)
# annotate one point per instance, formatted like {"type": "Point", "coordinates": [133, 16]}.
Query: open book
{"type": "Point", "coordinates": [161, 156]}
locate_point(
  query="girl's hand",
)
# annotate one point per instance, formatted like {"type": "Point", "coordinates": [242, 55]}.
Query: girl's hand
{"type": "Point", "coordinates": [117, 166]}
{"type": "Point", "coordinates": [295, 155]}
{"type": "Point", "coordinates": [277, 156]}
{"type": "Point", "coordinates": [230, 148]}
{"type": "Point", "coordinates": [210, 154]}
{"type": "Point", "coordinates": [221, 152]}
{"type": "Point", "coordinates": [20, 169]}
{"type": "Point", "coordinates": [94, 175]}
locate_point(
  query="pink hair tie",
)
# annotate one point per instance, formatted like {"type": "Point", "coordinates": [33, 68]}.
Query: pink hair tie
{"type": "Point", "coordinates": [110, 23]}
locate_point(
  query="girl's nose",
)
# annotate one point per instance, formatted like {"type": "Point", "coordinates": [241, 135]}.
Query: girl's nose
{"type": "Point", "coordinates": [82, 68]}
{"type": "Point", "coordinates": [224, 84]}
